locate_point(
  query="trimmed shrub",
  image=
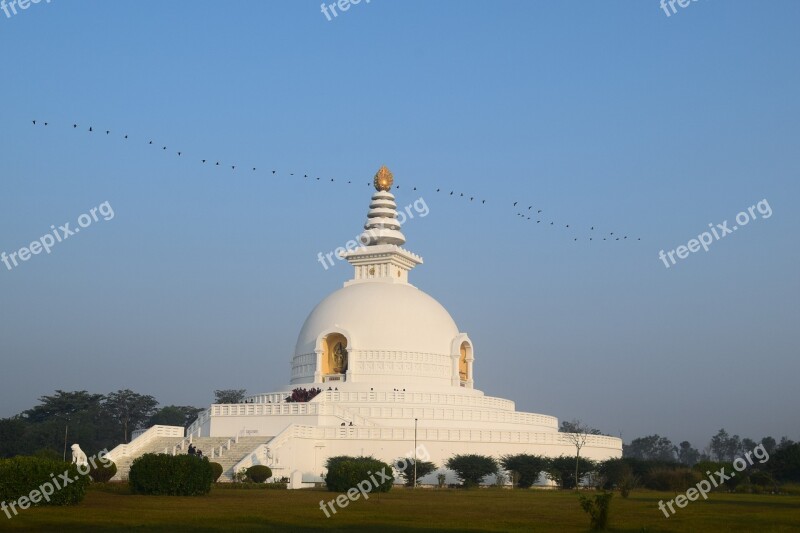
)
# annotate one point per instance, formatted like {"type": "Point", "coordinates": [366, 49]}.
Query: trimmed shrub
{"type": "Point", "coordinates": [561, 470]}
{"type": "Point", "coordinates": [346, 472]}
{"type": "Point", "coordinates": [598, 509]}
{"type": "Point", "coordinates": [405, 466]}
{"type": "Point", "coordinates": [170, 475]}
{"type": "Point", "coordinates": [19, 476]}
{"type": "Point", "coordinates": [103, 473]}
{"type": "Point", "coordinates": [259, 473]}
{"type": "Point", "coordinates": [472, 468]}
{"type": "Point", "coordinates": [527, 466]}
{"type": "Point", "coordinates": [216, 470]}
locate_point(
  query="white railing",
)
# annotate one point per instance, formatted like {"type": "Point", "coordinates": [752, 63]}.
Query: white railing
{"type": "Point", "coordinates": [226, 447]}
{"type": "Point", "coordinates": [252, 409]}
{"type": "Point", "coordinates": [260, 451]}
{"type": "Point", "coordinates": [428, 398]}
{"type": "Point", "coordinates": [447, 434]}
{"type": "Point", "coordinates": [143, 439]}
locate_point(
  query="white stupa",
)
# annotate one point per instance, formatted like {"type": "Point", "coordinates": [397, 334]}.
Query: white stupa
{"type": "Point", "coordinates": [393, 368]}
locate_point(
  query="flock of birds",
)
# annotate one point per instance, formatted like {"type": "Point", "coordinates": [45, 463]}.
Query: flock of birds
{"type": "Point", "coordinates": [529, 214]}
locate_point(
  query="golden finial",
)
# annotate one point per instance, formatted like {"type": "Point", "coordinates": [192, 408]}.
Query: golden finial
{"type": "Point", "coordinates": [383, 179]}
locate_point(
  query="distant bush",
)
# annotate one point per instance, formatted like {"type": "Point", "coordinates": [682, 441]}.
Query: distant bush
{"type": "Point", "coordinates": [471, 469]}
{"type": "Point", "coordinates": [217, 470]}
{"type": "Point", "coordinates": [170, 475]}
{"type": "Point", "coordinates": [20, 475]}
{"type": "Point", "coordinates": [259, 473]}
{"type": "Point", "coordinates": [672, 479]}
{"type": "Point", "coordinates": [617, 474]}
{"type": "Point", "coordinates": [346, 472]}
{"type": "Point", "coordinates": [102, 473]}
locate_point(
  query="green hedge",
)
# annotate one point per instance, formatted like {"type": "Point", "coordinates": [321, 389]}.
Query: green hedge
{"type": "Point", "coordinates": [103, 473]}
{"type": "Point", "coordinates": [217, 469]}
{"type": "Point", "coordinates": [259, 473]}
{"type": "Point", "coordinates": [21, 476]}
{"type": "Point", "coordinates": [170, 475]}
{"type": "Point", "coordinates": [346, 472]}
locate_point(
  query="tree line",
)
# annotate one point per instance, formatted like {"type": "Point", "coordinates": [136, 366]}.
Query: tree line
{"type": "Point", "coordinates": [95, 421]}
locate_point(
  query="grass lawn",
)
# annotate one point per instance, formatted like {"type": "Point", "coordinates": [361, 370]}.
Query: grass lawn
{"type": "Point", "coordinates": [113, 509]}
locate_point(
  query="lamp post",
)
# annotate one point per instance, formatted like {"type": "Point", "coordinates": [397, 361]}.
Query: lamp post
{"type": "Point", "coordinates": [415, 453]}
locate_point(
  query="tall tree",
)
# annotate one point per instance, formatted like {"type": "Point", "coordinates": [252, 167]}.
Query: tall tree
{"type": "Point", "coordinates": [174, 415]}
{"type": "Point", "coordinates": [577, 436]}
{"type": "Point", "coordinates": [725, 447]}
{"type": "Point", "coordinates": [229, 395]}
{"type": "Point", "coordinates": [686, 454]}
{"type": "Point", "coordinates": [652, 447]}
{"type": "Point", "coordinates": [769, 444]}
{"type": "Point", "coordinates": [575, 426]}
{"type": "Point", "coordinates": [63, 405]}
{"type": "Point", "coordinates": [132, 410]}
{"type": "Point", "coordinates": [63, 417]}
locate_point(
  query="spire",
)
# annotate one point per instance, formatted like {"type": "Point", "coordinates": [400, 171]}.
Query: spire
{"type": "Point", "coordinates": [381, 258]}
{"type": "Point", "coordinates": [382, 226]}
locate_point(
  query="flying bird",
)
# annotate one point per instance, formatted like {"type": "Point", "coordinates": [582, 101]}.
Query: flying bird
{"type": "Point", "coordinates": [539, 211]}
{"type": "Point", "coordinates": [90, 128]}
{"type": "Point", "coordinates": [179, 153]}
{"type": "Point", "coordinates": [107, 132]}
{"type": "Point", "coordinates": [515, 204]}
{"type": "Point", "coordinates": [203, 160]}
{"type": "Point", "coordinates": [74, 125]}
{"type": "Point", "coordinates": [34, 122]}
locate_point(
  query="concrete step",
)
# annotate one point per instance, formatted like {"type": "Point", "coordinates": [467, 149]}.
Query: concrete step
{"type": "Point", "coordinates": [208, 445]}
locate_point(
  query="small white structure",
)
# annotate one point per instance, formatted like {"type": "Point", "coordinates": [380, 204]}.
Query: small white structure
{"type": "Point", "coordinates": [394, 369]}
{"type": "Point", "coordinates": [78, 456]}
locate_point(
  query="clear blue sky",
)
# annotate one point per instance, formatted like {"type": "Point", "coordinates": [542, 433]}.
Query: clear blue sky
{"type": "Point", "coordinates": [605, 114]}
